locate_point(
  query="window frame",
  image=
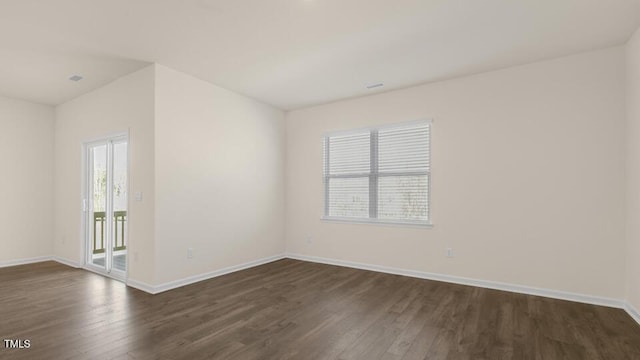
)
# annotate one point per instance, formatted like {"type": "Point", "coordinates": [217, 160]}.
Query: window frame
{"type": "Point", "coordinates": [374, 175]}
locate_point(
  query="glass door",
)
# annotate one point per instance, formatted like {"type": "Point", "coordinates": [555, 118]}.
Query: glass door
{"type": "Point", "coordinates": [106, 206]}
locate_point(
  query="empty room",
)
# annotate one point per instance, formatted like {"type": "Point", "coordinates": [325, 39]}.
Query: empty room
{"type": "Point", "coordinates": [320, 179]}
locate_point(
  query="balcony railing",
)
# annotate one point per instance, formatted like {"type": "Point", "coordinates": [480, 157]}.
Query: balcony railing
{"type": "Point", "coordinates": [99, 219]}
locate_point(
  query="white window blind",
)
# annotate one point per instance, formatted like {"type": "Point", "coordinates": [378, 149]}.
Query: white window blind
{"type": "Point", "coordinates": [379, 174]}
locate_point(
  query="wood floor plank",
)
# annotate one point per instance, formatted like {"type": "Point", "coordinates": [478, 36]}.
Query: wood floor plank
{"type": "Point", "coordinates": [292, 309]}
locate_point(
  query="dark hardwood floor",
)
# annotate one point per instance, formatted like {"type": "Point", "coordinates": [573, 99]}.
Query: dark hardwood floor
{"type": "Point", "coordinates": [297, 310]}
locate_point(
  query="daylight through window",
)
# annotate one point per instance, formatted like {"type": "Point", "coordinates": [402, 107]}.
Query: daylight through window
{"type": "Point", "coordinates": [379, 174]}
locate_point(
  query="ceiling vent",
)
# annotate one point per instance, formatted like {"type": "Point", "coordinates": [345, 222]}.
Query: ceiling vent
{"type": "Point", "coordinates": [374, 85]}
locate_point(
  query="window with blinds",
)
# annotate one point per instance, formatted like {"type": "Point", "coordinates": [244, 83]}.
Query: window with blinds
{"type": "Point", "coordinates": [379, 174]}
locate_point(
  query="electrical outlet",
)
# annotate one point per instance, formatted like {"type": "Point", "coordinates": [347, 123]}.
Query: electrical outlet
{"type": "Point", "coordinates": [309, 239]}
{"type": "Point", "coordinates": [190, 253]}
{"type": "Point", "coordinates": [449, 252]}
{"type": "Point", "coordinates": [135, 256]}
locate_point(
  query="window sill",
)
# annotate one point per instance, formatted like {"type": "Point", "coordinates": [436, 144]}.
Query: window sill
{"type": "Point", "coordinates": [377, 222]}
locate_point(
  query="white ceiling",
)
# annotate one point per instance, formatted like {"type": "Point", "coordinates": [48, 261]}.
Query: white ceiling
{"type": "Point", "coordinates": [292, 53]}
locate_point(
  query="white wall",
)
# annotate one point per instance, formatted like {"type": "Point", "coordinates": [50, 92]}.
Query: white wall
{"type": "Point", "coordinates": [210, 164]}
{"type": "Point", "coordinates": [124, 105]}
{"type": "Point", "coordinates": [633, 170]}
{"type": "Point", "coordinates": [218, 177]}
{"type": "Point", "coordinates": [528, 177]}
{"type": "Point", "coordinates": [26, 200]}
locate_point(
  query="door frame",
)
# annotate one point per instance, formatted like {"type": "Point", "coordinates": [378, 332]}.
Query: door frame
{"type": "Point", "coordinates": [85, 227]}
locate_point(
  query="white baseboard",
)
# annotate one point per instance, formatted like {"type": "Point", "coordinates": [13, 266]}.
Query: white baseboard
{"type": "Point", "coordinates": [140, 285]}
{"type": "Point", "coordinates": [632, 311]}
{"type": "Point", "coordinates": [155, 289]}
{"type": "Point", "coordinates": [67, 262]}
{"type": "Point", "coordinates": [38, 259]}
{"type": "Point", "coordinates": [555, 294]}
{"type": "Point", "coordinates": [7, 263]}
